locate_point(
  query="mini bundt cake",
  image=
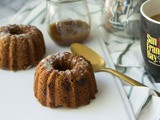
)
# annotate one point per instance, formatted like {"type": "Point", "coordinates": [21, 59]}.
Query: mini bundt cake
{"type": "Point", "coordinates": [64, 79]}
{"type": "Point", "coordinates": [21, 47]}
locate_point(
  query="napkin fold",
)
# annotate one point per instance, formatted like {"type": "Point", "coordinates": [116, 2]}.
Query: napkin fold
{"type": "Point", "coordinates": [126, 56]}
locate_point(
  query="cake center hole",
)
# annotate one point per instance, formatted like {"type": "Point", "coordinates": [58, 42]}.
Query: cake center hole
{"type": "Point", "coordinates": [62, 68]}
{"type": "Point", "coordinates": [15, 32]}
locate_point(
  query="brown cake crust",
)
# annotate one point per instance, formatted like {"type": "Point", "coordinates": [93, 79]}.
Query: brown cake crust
{"type": "Point", "coordinates": [64, 79]}
{"type": "Point", "coordinates": [21, 47]}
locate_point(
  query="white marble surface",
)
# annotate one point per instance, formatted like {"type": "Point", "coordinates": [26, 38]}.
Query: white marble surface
{"type": "Point", "coordinates": [9, 7]}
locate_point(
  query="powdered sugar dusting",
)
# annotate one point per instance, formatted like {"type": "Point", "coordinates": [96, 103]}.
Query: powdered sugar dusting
{"type": "Point", "coordinates": [59, 56]}
{"type": "Point", "coordinates": [68, 72]}
{"type": "Point", "coordinates": [48, 64]}
{"type": "Point", "coordinates": [22, 35]}
{"type": "Point", "coordinates": [61, 73]}
{"type": "Point", "coordinates": [3, 34]}
{"type": "Point", "coordinates": [74, 60]}
{"type": "Point", "coordinates": [49, 60]}
{"type": "Point", "coordinates": [25, 30]}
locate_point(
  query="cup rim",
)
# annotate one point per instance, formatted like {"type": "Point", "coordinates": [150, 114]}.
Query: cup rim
{"type": "Point", "coordinates": [144, 15]}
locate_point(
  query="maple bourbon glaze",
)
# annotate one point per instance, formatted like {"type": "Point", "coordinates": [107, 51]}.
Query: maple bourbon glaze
{"type": "Point", "coordinates": [69, 31]}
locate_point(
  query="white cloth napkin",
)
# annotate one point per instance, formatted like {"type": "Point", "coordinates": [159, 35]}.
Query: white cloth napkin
{"type": "Point", "coordinates": [127, 57]}
{"type": "Point", "coordinates": [145, 104]}
{"type": "Point", "coordinates": [142, 99]}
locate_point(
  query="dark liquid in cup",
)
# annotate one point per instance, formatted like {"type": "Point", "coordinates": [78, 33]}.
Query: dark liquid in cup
{"type": "Point", "coordinates": [156, 17]}
{"type": "Point", "coordinates": [69, 31]}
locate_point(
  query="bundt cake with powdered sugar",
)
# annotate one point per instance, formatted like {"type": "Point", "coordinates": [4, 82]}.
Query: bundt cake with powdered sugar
{"type": "Point", "coordinates": [21, 46]}
{"type": "Point", "coordinates": [64, 79]}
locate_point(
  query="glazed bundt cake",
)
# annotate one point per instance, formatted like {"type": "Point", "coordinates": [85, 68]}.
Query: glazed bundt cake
{"type": "Point", "coordinates": [64, 79]}
{"type": "Point", "coordinates": [21, 46]}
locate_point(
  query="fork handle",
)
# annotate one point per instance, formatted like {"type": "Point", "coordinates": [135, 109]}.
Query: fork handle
{"type": "Point", "coordinates": [125, 78]}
